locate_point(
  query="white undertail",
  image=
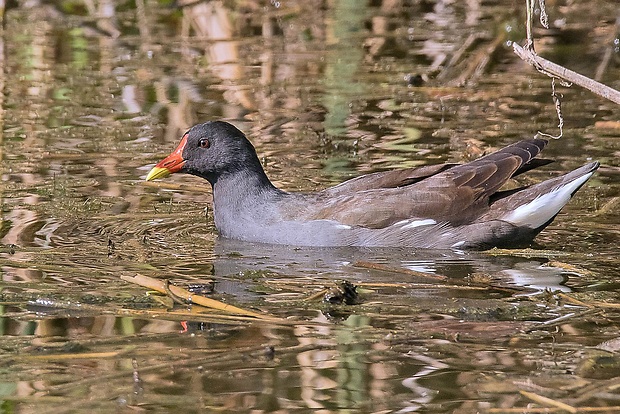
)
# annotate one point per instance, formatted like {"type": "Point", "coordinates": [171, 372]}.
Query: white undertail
{"type": "Point", "coordinates": [544, 207]}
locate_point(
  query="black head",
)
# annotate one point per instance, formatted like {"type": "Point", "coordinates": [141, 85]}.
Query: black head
{"type": "Point", "coordinates": [217, 148]}
{"type": "Point", "coordinates": [210, 150]}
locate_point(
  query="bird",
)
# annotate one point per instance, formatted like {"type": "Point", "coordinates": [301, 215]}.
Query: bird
{"type": "Point", "coordinates": [444, 206]}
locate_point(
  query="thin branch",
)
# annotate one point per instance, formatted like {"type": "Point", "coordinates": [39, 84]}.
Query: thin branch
{"type": "Point", "coordinates": [554, 70]}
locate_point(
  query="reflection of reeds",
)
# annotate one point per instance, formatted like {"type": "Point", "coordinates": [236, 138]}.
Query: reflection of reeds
{"type": "Point", "coordinates": [212, 25]}
{"type": "Point", "coordinates": [458, 344]}
{"type": "Point", "coordinates": [2, 92]}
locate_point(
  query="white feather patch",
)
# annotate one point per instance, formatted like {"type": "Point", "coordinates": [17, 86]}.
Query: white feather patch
{"type": "Point", "coordinates": [342, 226]}
{"type": "Point", "coordinates": [540, 210]}
{"type": "Point", "coordinates": [417, 223]}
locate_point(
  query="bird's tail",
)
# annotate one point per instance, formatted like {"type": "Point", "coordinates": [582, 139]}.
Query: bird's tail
{"type": "Point", "coordinates": [536, 206]}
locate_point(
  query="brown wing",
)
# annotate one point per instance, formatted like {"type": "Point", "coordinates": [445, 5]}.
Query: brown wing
{"type": "Point", "coordinates": [445, 193]}
{"type": "Point", "coordinates": [387, 179]}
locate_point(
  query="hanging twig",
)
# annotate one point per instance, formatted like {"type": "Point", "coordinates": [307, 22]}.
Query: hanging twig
{"type": "Point", "coordinates": [558, 110]}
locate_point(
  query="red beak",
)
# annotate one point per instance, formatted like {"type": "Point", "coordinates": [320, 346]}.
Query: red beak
{"type": "Point", "coordinates": [169, 165]}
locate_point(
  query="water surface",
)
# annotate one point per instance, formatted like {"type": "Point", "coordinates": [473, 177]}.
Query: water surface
{"type": "Point", "coordinates": [92, 99]}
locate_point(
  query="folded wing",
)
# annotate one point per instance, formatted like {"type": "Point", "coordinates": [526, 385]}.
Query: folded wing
{"type": "Point", "coordinates": [447, 193]}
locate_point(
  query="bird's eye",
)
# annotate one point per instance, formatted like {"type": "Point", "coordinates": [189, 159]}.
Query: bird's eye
{"type": "Point", "coordinates": [204, 143]}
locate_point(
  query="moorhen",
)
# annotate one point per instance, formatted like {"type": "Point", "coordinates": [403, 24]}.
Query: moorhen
{"type": "Point", "coordinates": [455, 206]}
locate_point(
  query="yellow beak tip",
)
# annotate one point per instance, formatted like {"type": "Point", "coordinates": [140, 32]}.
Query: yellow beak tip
{"type": "Point", "coordinates": [156, 173]}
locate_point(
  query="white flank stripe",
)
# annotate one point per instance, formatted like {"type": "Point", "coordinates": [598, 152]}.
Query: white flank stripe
{"type": "Point", "coordinates": [418, 223]}
{"type": "Point", "coordinates": [540, 210]}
